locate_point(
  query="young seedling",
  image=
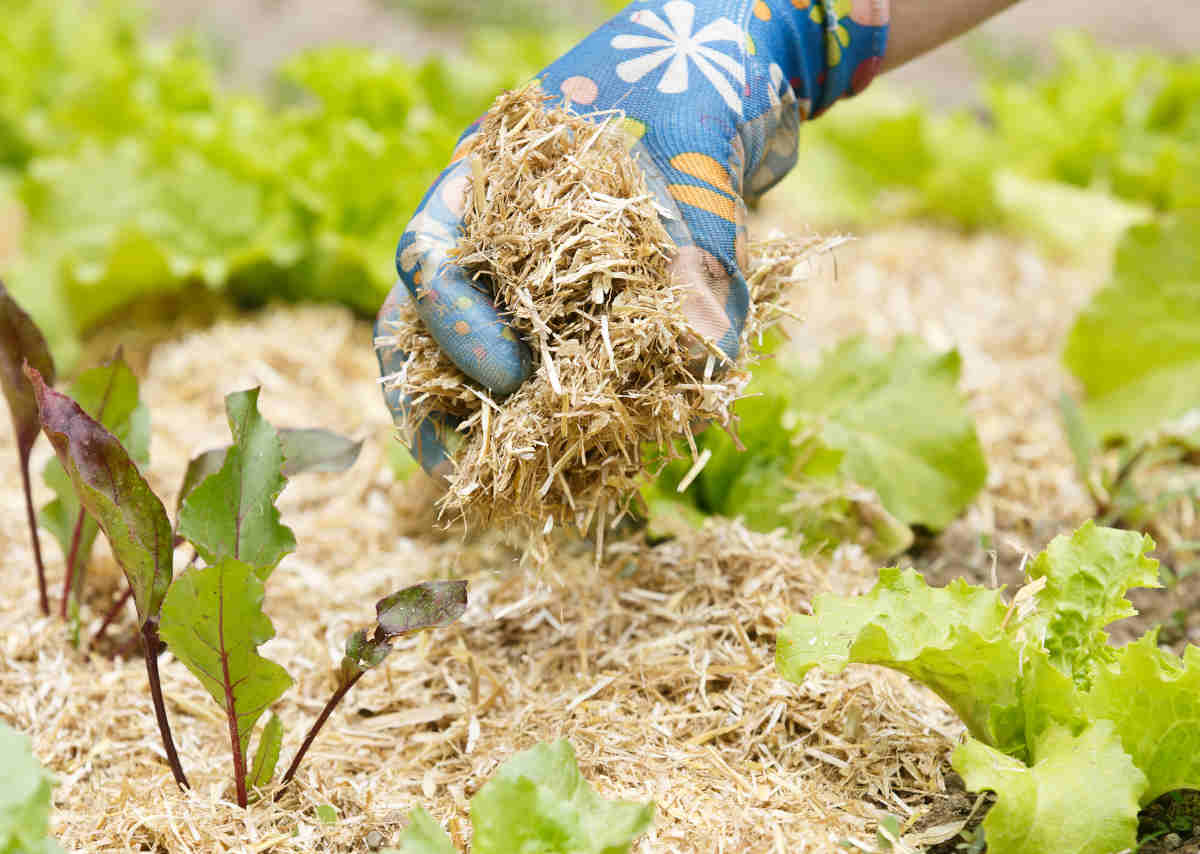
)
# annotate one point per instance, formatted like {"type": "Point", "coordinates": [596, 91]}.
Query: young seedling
{"type": "Point", "coordinates": [428, 605]}
{"type": "Point", "coordinates": [113, 491]}
{"type": "Point", "coordinates": [109, 394]}
{"type": "Point", "coordinates": [536, 801]}
{"type": "Point", "coordinates": [212, 618]}
{"type": "Point", "coordinates": [21, 342]}
{"type": "Point", "coordinates": [213, 622]}
{"type": "Point", "coordinates": [304, 450]}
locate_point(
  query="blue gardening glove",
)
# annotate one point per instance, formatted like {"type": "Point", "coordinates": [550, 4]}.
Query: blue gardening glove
{"type": "Point", "coordinates": [714, 92]}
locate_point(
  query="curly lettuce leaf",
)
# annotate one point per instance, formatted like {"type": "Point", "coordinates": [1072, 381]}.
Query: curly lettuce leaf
{"type": "Point", "coordinates": [1079, 795]}
{"type": "Point", "coordinates": [539, 801]}
{"type": "Point", "coordinates": [423, 836]}
{"type": "Point", "coordinates": [1153, 699]}
{"type": "Point", "coordinates": [1136, 347]}
{"type": "Point", "coordinates": [1087, 576]}
{"type": "Point", "coordinates": [960, 641]}
{"type": "Point", "coordinates": [855, 449]}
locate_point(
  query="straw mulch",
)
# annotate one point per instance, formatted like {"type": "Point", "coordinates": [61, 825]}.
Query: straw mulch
{"type": "Point", "coordinates": [561, 226]}
{"type": "Point", "coordinates": [658, 665]}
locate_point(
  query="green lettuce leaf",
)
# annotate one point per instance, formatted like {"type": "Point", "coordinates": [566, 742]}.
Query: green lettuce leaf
{"type": "Point", "coordinates": [1087, 576]}
{"type": "Point", "coordinates": [1153, 699]}
{"type": "Point", "coordinates": [423, 836]}
{"type": "Point", "coordinates": [1009, 671]}
{"type": "Point", "coordinates": [538, 801]}
{"type": "Point", "coordinates": [855, 449]}
{"type": "Point", "coordinates": [1136, 347]}
{"type": "Point", "coordinates": [24, 798]}
{"type": "Point", "coordinates": [212, 621]}
{"type": "Point", "coordinates": [959, 641]}
{"type": "Point", "coordinates": [232, 513]}
{"type": "Point", "coordinates": [902, 424]}
{"type": "Point", "coordinates": [1080, 794]}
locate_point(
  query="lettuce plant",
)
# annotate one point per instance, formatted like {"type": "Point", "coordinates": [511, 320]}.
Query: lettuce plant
{"type": "Point", "coordinates": [24, 798]}
{"type": "Point", "coordinates": [537, 801]}
{"type": "Point", "coordinates": [862, 446]}
{"type": "Point", "coordinates": [1071, 734]}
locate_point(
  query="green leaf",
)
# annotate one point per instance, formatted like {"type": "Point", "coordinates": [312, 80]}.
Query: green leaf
{"type": "Point", "coordinates": [538, 801]}
{"type": "Point", "coordinates": [20, 342]}
{"type": "Point", "coordinates": [304, 450]}
{"type": "Point", "coordinates": [108, 393]}
{"type": "Point", "coordinates": [212, 621]}
{"type": "Point", "coordinates": [24, 798]}
{"type": "Point", "coordinates": [363, 652]}
{"type": "Point", "coordinates": [316, 450]}
{"type": "Point", "coordinates": [232, 513]}
{"type": "Point", "coordinates": [902, 424]}
{"type": "Point", "coordinates": [955, 640]}
{"type": "Point", "coordinates": [1136, 347]}
{"type": "Point", "coordinates": [1031, 206]}
{"type": "Point", "coordinates": [114, 493]}
{"type": "Point", "coordinates": [198, 470]}
{"type": "Point", "coordinates": [327, 814]}
{"type": "Point", "coordinates": [1080, 795]}
{"type": "Point", "coordinates": [267, 755]}
{"type": "Point", "coordinates": [427, 605]}
{"type": "Point", "coordinates": [1079, 438]}
{"type": "Point", "coordinates": [421, 606]}
{"type": "Point", "coordinates": [855, 449]}
{"type": "Point", "coordinates": [1153, 699]}
{"type": "Point", "coordinates": [1087, 575]}
{"type": "Point", "coordinates": [423, 836]}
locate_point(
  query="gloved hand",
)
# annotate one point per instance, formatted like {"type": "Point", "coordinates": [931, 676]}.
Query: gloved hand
{"type": "Point", "coordinates": [714, 92]}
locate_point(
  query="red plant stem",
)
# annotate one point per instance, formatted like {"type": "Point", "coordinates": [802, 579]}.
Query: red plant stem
{"type": "Point", "coordinates": [33, 533]}
{"type": "Point", "coordinates": [315, 728]}
{"type": "Point", "coordinates": [72, 554]}
{"type": "Point", "coordinates": [111, 615]}
{"type": "Point", "coordinates": [239, 758]}
{"type": "Point", "coordinates": [150, 644]}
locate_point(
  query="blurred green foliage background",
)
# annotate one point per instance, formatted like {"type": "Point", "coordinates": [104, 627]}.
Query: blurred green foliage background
{"type": "Point", "coordinates": [128, 169]}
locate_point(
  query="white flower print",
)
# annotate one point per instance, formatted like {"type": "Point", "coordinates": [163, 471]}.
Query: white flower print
{"type": "Point", "coordinates": [679, 44]}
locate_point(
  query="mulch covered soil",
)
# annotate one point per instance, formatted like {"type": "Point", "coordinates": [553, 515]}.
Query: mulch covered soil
{"type": "Point", "coordinates": [657, 665]}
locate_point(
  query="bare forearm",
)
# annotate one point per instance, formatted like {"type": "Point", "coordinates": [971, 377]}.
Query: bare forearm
{"type": "Point", "coordinates": [921, 25]}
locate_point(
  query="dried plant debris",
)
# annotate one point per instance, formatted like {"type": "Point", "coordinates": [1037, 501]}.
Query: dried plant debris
{"type": "Point", "coordinates": [561, 225]}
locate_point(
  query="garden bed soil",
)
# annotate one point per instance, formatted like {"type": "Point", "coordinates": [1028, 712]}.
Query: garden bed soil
{"type": "Point", "coordinates": [657, 665]}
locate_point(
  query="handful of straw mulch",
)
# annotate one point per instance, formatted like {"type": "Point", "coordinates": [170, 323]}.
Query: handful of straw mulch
{"type": "Point", "coordinates": [560, 224]}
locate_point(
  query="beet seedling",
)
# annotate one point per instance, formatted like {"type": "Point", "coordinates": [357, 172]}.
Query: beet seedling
{"type": "Point", "coordinates": [21, 342]}
{"type": "Point", "coordinates": [210, 616]}
{"type": "Point", "coordinates": [423, 606]}
{"type": "Point", "coordinates": [109, 394]}
{"type": "Point", "coordinates": [109, 485]}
